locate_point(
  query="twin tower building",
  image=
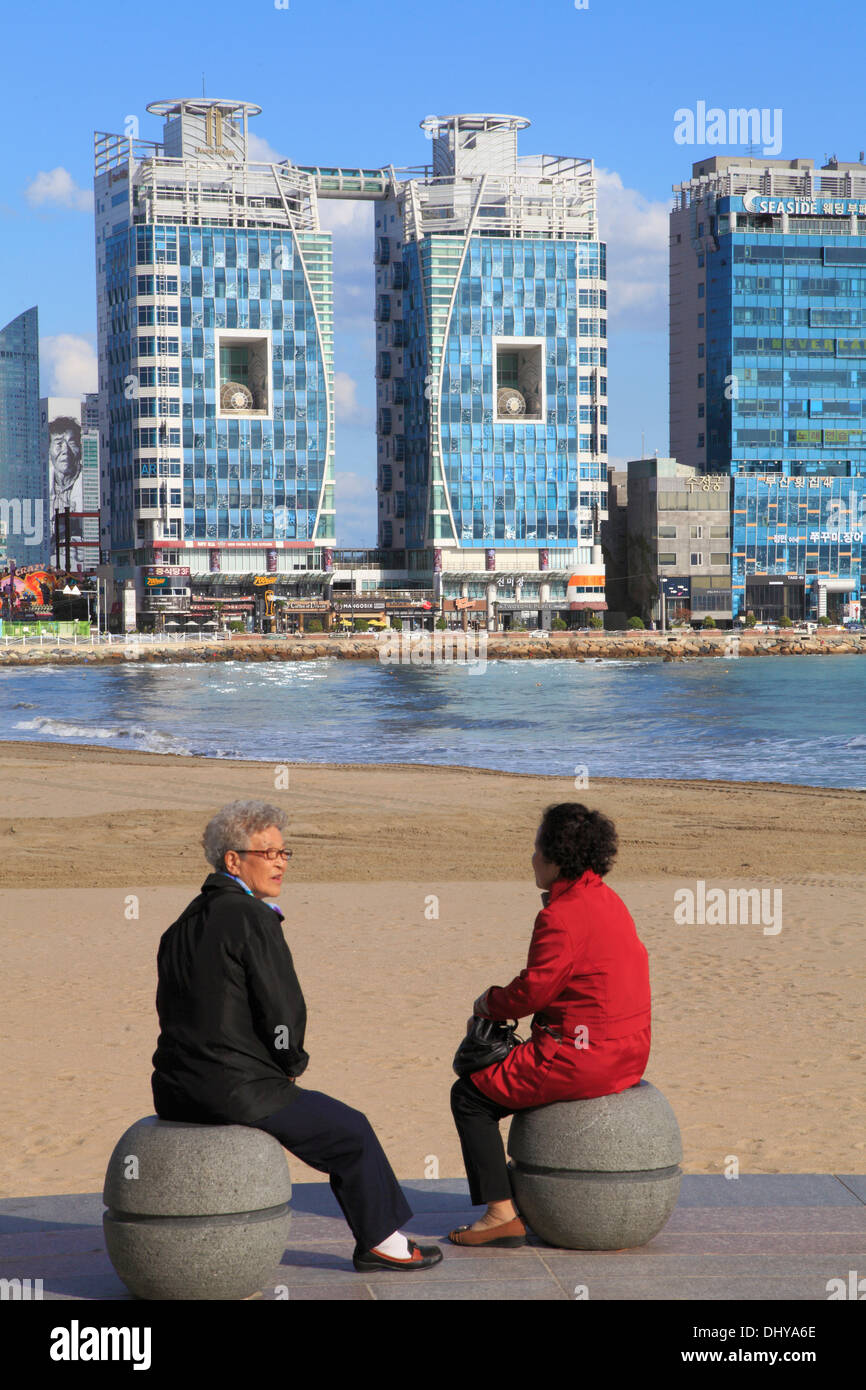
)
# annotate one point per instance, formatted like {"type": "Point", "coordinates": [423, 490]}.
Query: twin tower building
{"type": "Point", "coordinates": [216, 362]}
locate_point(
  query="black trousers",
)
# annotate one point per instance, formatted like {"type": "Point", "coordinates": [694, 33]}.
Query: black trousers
{"type": "Point", "coordinates": [477, 1119]}
{"type": "Point", "coordinates": [335, 1139]}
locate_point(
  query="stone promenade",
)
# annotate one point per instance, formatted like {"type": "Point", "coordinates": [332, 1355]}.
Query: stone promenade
{"type": "Point", "coordinates": [757, 1238]}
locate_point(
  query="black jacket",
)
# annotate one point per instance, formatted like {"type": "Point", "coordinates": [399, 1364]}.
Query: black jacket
{"type": "Point", "coordinates": [231, 1012]}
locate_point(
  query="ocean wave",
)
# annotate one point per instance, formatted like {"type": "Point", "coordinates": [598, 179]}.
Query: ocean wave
{"type": "Point", "coordinates": [61, 728]}
{"type": "Point", "coordinates": [144, 740]}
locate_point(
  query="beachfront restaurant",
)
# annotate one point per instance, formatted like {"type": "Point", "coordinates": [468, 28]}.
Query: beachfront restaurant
{"type": "Point", "coordinates": [267, 603]}
{"type": "Point", "coordinates": [531, 599]}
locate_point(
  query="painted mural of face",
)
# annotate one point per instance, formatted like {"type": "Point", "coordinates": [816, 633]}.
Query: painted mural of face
{"type": "Point", "coordinates": [64, 454]}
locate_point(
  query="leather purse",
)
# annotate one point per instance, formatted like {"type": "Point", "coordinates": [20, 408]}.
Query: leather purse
{"type": "Point", "coordinates": [486, 1042]}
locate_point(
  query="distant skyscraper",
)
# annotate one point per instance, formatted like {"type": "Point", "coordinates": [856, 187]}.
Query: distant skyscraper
{"type": "Point", "coordinates": [492, 369]}
{"type": "Point", "coordinates": [215, 348]}
{"type": "Point", "coordinates": [768, 370]}
{"type": "Point", "coordinates": [22, 476]}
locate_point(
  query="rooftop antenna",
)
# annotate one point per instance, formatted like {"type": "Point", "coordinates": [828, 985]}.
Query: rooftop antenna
{"type": "Point", "coordinates": [202, 85]}
{"type": "Point", "coordinates": [642, 445]}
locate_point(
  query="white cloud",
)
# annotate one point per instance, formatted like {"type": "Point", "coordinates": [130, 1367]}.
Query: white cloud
{"type": "Point", "coordinates": [260, 152]}
{"type": "Point", "coordinates": [347, 217]}
{"type": "Point", "coordinates": [636, 232]}
{"type": "Point", "coordinates": [71, 365]}
{"type": "Point", "coordinates": [350, 411]}
{"type": "Point", "coordinates": [58, 188]}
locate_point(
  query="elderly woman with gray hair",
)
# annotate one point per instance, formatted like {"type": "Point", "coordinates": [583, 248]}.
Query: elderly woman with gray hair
{"type": "Point", "coordinates": [231, 1045]}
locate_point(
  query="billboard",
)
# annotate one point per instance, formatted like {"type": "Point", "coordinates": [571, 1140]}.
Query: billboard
{"type": "Point", "coordinates": [71, 458]}
{"type": "Point", "coordinates": [60, 420]}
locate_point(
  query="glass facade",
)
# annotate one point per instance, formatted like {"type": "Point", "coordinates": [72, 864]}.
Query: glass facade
{"type": "Point", "coordinates": [786, 362]}
{"type": "Point", "coordinates": [517, 482]}
{"type": "Point", "coordinates": [768, 368]}
{"type": "Point", "coordinates": [808, 528]}
{"type": "Point", "coordinates": [23, 476]}
{"type": "Point", "coordinates": [472, 474]}
{"type": "Point", "coordinates": [491, 315]}
{"type": "Point", "coordinates": [216, 351]}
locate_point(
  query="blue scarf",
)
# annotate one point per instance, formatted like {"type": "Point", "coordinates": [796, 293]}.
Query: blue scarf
{"type": "Point", "coordinates": [249, 890]}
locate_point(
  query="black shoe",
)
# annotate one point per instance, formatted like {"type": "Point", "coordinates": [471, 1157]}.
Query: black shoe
{"type": "Point", "coordinates": [421, 1257]}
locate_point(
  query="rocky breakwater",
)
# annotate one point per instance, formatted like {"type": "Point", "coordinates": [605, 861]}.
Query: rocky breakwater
{"type": "Point", "coordinates": [559, 646]}
{"type": "Point", "coordinates": [670, 646]}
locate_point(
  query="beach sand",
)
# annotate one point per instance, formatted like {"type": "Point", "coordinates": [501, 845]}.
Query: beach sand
{"type": "Point", "coordinates": [410, 892]}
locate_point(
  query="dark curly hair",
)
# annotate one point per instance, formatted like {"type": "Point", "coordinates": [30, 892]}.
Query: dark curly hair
{"type": "Point", "coordinates": [577, 839]}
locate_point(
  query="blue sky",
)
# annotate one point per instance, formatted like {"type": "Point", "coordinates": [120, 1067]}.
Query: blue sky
{"type": "Point", "coordinates": [345, 82]}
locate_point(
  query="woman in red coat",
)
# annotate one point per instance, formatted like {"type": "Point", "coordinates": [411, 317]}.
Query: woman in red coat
{"type": "Point", "coordinates": [587, 984]}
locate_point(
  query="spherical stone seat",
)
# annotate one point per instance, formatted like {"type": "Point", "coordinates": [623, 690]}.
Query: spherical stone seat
{"type": "Point", "coordinates": [196, 1211]}
{"type": "Point", "coordinates": [599, 1174]}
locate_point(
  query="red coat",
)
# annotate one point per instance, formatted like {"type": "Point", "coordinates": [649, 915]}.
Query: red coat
{"type": "Point", "coordinates": [587, 967]}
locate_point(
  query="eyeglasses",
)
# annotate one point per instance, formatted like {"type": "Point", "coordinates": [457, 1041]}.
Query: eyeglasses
{"type": "Point", "coordinates": [272, 855]}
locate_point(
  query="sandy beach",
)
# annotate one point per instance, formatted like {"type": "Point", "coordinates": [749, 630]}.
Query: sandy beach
{"type": "Point", "coordinates": [409, 893]}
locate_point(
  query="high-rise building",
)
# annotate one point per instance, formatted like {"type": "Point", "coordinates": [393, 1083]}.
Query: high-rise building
{"type": "Point", "coordinates": [23, 503]}
{"type": "Point", "coordinates": [492, 371]}
{"type": "Point", "coordinates": [768, 371]}
{"type": "Point", "coordinates": [215, 350]}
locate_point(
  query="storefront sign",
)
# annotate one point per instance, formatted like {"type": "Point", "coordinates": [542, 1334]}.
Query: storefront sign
{"type": "Point", "coordinates": [303, 605]}
{"type": "Point", "coordinates": [359, 605]}
{"type": "Point", "coordinates": [805, 207]}
{"type": "Point", "coordinates": [710, 482]}
{"type": "Point", "coordinates": [677, 588]}
{"type": "Point", "coordinates": [252, 545]}
{"type": "Point", "coordinates": [173, 571]}
{"type": "Point", "coordinates": [208, 606]}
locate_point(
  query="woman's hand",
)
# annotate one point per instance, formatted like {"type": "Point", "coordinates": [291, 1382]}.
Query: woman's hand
{"type": "Point", "coordinates": [479, 1008]}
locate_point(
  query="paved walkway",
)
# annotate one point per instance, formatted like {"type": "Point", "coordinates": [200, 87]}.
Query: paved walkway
{"type": "Point", "coordinates": [759, 1237]}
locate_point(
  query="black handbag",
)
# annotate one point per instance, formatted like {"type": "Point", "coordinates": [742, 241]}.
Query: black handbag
{"type": "Point", "coordinates": [486, 1042]}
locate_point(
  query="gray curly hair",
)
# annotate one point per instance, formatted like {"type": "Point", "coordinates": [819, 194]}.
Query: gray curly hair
{"type": "Point", "coordinates": [232, 827]}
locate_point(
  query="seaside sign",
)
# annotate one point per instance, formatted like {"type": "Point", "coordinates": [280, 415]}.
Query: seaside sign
{"type": "Point", "coordinates": [805, 207]}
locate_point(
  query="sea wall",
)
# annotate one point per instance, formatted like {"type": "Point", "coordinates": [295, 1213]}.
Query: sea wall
{"type": "Point", "coordinates": [679, 646]}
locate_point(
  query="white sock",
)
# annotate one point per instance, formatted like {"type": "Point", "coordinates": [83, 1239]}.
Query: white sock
{"type": "Point", "coordinates": [396, 1246]}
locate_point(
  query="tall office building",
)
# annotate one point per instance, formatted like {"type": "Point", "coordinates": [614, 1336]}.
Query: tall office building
{"type": "Point", "coordinates": [768, 371]}
{"type": "Point", "coordinates": [492, 371]}
{"type": "Point", "coordinates": [22, 475]}
{"type": "Point", "coordinates": [215, 335]}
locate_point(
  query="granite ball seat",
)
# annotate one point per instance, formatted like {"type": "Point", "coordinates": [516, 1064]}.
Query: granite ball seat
{"type": "Point", "coordinates": [599, 1174]}
{"type": "Point", "coordinates": [196, 1211]}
